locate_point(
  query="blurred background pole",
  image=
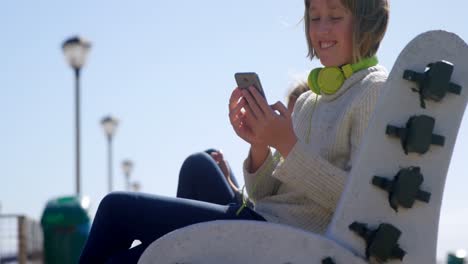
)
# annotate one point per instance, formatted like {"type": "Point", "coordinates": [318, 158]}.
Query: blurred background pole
{"type": "Point", "coordinates": [77, 132]}
{"type": "Point", "coordinates": [109, 124]}
{"type": "Point", "coordinates": [127, 167]}
{"type": "Point", "coordinates": [75, 50]}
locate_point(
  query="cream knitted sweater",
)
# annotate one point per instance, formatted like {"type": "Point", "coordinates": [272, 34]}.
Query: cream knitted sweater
{"type": "Point", "coordinates": [303, 189]}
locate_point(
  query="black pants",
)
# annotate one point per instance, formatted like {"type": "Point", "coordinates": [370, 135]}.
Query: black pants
{"type": "Point", "coordinates": [124, 217]}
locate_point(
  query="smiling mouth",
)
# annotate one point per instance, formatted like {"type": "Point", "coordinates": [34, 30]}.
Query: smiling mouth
{"type": "Point", "coordinates": [327, 44]}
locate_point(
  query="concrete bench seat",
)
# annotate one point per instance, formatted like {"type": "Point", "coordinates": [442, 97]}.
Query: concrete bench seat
{"type": "Point", "coordinates": [231, 242]}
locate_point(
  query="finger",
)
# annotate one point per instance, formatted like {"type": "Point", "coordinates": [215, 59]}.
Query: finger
{"type": "Point", "coordinates": [236, 111]}
{"type": "Point", "coordinates": [239, 123]}
{"type": "Point", "coordinates": [236, 123]}
{"type": "Point", "coordinates": [218, 160]}
{"type": "Point", "coordinates": [235, 97]}
{"type": "Point", "coordinates": [261, 101]}
{"type": "Point", "coordinates": [253, 104]}
{"type": "Point", "coordinates": [283, 110]}
{"type": "Point", "coordinates": [249, 116]}
{"type": "Point", "coordinates": [215, 156]}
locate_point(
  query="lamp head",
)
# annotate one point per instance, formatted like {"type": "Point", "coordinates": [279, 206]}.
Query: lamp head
{"type": "Point", "coordinates": [76, 50]}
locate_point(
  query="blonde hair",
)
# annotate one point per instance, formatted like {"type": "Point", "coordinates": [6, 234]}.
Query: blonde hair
{"type": "Point", "coordinates": [299, 88]}
{"type": "Point", "coordinates": [370, 19]}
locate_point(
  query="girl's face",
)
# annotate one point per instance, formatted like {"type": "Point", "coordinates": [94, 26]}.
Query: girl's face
{"type": "Point", "coordinates": [331, 32]}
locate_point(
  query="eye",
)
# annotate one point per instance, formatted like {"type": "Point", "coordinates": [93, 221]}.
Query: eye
{"type": "Point", "coordinates": [314, 19]}
{"type": "Point", "coordinates": [336, 18]}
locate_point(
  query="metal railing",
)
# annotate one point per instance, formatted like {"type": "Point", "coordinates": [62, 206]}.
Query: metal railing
{"type": "Point", "coordinates": [20, 240]}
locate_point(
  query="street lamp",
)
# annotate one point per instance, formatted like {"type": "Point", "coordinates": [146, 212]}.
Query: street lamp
{"type": "Point", "coordinates": [127, 167]}
{"type": "Point", "coordinates": [75, 50]}
{"type": "Point", "coordinates": [109, 124]}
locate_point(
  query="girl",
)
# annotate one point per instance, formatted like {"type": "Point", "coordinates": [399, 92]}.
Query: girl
{"type": "Point", "coordinates": [301, 183]}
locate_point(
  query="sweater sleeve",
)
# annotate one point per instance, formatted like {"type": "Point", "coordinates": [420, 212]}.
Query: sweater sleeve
{"type": "Point", "coordinates": [260, 183]}
{"type": "Point", "coordinates": [322, 181]}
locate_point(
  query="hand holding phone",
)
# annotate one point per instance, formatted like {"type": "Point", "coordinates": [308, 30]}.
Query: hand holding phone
{"type": "Point", "coordinates": [246, 79]}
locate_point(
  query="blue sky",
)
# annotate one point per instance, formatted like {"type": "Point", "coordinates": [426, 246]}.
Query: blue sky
{"type": "Point", "coordinates": [165, 69]}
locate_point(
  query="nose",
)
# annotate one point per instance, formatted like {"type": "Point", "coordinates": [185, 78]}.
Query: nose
{"type": "Point", "coordinates": [324, 27]}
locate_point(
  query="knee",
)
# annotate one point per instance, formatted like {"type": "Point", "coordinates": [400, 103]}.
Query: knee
{"type": "Point", "coordinates": [112, 200]}
{"type": "Point", "coordinates": [199, 159]}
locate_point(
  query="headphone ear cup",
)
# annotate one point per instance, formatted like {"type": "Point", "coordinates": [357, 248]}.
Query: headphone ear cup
{"type": "Point", "coordinates": [312, 80]}
{"type": "Point", "coordinates": [330, 79]}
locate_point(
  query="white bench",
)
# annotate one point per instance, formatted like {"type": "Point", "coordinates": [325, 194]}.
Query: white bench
{"type": "Point", "coordinates": [393, 233]}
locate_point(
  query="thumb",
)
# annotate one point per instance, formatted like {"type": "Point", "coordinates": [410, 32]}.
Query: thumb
{"type": "Point", "coordinates": [278, 106]}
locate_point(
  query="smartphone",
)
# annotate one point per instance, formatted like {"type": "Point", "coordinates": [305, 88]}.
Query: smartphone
{"type": "Point", "coordinates": [246, 79]}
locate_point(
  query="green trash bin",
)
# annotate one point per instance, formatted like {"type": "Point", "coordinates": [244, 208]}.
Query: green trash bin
{"type": "Point", "coordinates": [65, 223]}
{"type": "Point", "coordinates": [456, 258]}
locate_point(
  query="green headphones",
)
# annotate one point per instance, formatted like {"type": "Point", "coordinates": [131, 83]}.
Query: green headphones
{"type": "Point", "coordinates": [328, 80]}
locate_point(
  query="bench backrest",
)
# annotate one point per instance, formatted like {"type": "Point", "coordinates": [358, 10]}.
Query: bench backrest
{"type": "Point", "coordinates": [393, 230]}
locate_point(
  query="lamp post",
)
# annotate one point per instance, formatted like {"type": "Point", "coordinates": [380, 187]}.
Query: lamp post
{"type": "Point", "coordinates": [127, 167]}
{"type": "Point", "coordinates": [75, 50]}
{"type": "Point", "coordinates": [109, 124]}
